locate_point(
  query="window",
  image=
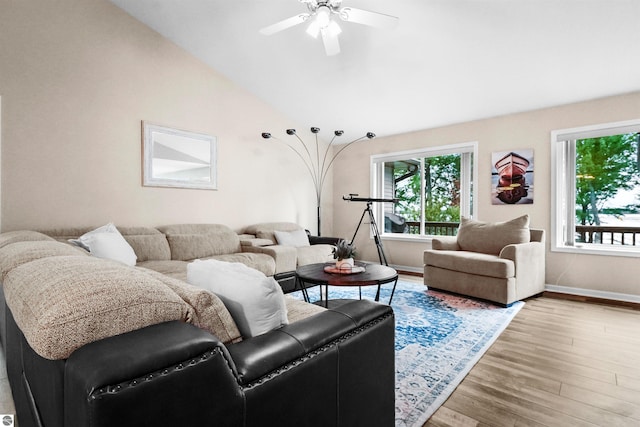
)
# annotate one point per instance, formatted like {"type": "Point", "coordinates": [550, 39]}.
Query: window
{"type": "Point", "coordinates": [433, 186]}
{"type": "Point", "coordinates": [596, 180]}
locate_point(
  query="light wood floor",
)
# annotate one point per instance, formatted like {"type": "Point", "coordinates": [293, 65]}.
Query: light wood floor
{"type": "Point", "coordinates": [559, 363]}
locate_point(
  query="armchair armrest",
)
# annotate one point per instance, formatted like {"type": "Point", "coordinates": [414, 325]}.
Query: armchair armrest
{"type": "Point", "coordinates": [523, 251]}
{"type": "Point", "coordinates": [161, 375]}
{"type": "Point", "coordinates": [445, 243]}
{"type": "Point", "coordinates": [529, 261]}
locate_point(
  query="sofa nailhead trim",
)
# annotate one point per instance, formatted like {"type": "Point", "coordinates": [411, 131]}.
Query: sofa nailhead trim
{"type": "Point", "coordinates": [116, 388]}
{"type": "Point", "coordinates": [274, 374]}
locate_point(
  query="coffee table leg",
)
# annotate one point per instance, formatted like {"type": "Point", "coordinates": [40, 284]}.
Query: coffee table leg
{"type": "Point", "coordinates": [393, 290]}
{"type": "Point", "coordinates": [326, 295]}
{"type": "Point", "coordinates": [303, 289]}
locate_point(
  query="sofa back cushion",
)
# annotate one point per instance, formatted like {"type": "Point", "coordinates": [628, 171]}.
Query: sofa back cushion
{"type": "Point", "coordinates": [16, 254]}
{"type": "Point", "coordinates": [193, 241]}
{"type": "Point", "coordinates": [148, 243]}
{"type": "Point", "coordinates": [21, 236]}
{"type": "Point", "coordinates": [266, 230]}
{"type": "Point", "coordinates": [491, 237]}
{"type": "Point", "coordinates": [61, 303]}
{"type": "Point", "coordinates": [210, 313]}
{"type": "Point", "coordinates": [297, 238]}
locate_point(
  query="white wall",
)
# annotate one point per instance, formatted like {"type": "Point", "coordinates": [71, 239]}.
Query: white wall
{"type": "Point", "coordinates": [78, 77]}
{"type": "Point", "coordinates": [518, 131]}
{"type": "Point", "coordinates": [0, 162]}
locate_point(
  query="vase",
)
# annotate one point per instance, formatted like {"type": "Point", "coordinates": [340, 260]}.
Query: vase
{"type": "Point", "coordinates": [345, 264]}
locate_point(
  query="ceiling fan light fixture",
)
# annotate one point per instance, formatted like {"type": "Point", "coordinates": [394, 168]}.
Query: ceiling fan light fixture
{"type": "Point", "coordinates": [333, 28]}
{"type": "Point", "coordinates": [313, 29]}
{"type": "Point", "coordinates": [322, 21]}
{"type": "Point", "coordinates": [323, 16]}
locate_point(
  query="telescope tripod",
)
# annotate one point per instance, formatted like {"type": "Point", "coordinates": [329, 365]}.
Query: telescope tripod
{"type": "Point", "coordinates": [376, 233]}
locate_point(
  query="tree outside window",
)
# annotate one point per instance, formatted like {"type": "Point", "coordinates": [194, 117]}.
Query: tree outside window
{"type": "Point", "coordinates": [605, 166]}
{"type": "Point", "coordinates": [596, 181]}
{"type": "Point", "coordinates": [433, 191]}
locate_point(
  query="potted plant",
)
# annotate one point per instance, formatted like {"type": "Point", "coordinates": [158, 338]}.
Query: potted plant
{"type": "Point", "coordinates": [343, 253]}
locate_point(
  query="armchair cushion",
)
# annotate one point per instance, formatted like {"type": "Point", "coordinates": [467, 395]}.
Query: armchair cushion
{"type": "Point", "coordinates": [472, 263]}
{"type": "Point", "coordinates": [491, 237]}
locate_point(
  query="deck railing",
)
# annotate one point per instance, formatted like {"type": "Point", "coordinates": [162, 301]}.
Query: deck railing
{"type": "Point", "coordinates": [597, 234]}
{"type": "Point", "coordinates": [608, 235]}
{"type": "Point", "coordinates": [434, 228]}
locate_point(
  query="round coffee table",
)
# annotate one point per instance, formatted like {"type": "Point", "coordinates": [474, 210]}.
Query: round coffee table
{"type": "Point", "coordinates": [373, 275]}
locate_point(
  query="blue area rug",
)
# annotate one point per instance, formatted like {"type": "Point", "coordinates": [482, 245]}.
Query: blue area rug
{"type": "Point", "coordinates": [439, 338]}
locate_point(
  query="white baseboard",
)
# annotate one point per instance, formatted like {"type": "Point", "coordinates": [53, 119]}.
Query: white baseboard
{"type": "Point", "coordinates": [407, 268]}
{"type": "Point", "coordinates": [614, 296]}
{"type": "Point", "coordinates": [593, 293]}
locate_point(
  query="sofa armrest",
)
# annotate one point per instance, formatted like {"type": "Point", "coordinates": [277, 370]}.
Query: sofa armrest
{"type": "Point", "coordinates": [256, 242]}
{"type": "Point", "coordinates": [445, 243]}
{"type": "Point", "coordinates": [257, 357]}
{"type": "Point", "coordinates": [163, 375]}
{"type": "Point", "coordinates": [286, 257]}
{"type": "Point", "coordinates": [345, 362]}
{"type": "Point", "coordinates": [322, 240]}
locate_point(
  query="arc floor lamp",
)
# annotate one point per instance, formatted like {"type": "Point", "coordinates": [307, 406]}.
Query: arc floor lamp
{"type": "Point", "coordinates": [318, 167]}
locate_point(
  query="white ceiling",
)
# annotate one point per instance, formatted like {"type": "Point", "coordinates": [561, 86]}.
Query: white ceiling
{"type": "Point", "coordinates": [448, 61]}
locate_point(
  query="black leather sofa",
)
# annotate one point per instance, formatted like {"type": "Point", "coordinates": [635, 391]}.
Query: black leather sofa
{"type": "Point", "coordinates": [335, 368]}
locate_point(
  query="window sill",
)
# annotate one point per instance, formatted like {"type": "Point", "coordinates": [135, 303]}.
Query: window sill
{"type": "Point", "coordinates": [414, 238]}
{"type": "Point", "coordinates": [605, 250]}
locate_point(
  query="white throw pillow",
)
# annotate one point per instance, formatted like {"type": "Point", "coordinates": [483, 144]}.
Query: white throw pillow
{"type": "Point", "coordinates": [107, 242]}
{"type": "Point", "coordinates": [297, 238]}
{"type": "Point", "coordinates": [255, 301]}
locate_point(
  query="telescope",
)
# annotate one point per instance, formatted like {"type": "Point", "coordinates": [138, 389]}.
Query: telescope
{"type": "Point", "coordinates": [355, 198]}
{"type": "Point", "coordinates": [372, 221]}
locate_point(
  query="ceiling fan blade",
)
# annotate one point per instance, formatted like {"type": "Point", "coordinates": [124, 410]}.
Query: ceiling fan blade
{"type": "Point", "coordinates": [283, 25]}
{"type": "Point", "coordinates": [366, 17]}
{"type": "Point", "coordinates": [331, 43]}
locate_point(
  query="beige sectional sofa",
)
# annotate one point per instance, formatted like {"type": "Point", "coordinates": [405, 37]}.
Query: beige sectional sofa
{"type": "Point", "coordinates": [168, 249]}
{"type": "Point", "coordinates": [290, 245]}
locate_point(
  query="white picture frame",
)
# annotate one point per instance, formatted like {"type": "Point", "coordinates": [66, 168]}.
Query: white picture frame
{"type": "Point", "coordinates": [178, 158]}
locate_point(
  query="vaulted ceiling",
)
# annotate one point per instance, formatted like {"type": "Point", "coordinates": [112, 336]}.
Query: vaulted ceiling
{"type": "Point", "coordinates": [447, 61]}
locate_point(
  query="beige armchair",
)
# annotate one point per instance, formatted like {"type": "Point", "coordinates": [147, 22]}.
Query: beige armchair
{"type": "Point", "coordinates": [502, 262]}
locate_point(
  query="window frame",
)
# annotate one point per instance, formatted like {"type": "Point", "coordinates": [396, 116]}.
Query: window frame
{"type": "Point", "coordinates": [468, 198]}
{"type": "Point", "coordinates": [563, 188]}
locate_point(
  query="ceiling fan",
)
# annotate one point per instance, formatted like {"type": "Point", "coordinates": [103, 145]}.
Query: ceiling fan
{"type": "Point", "coordinates": [321, 16]}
